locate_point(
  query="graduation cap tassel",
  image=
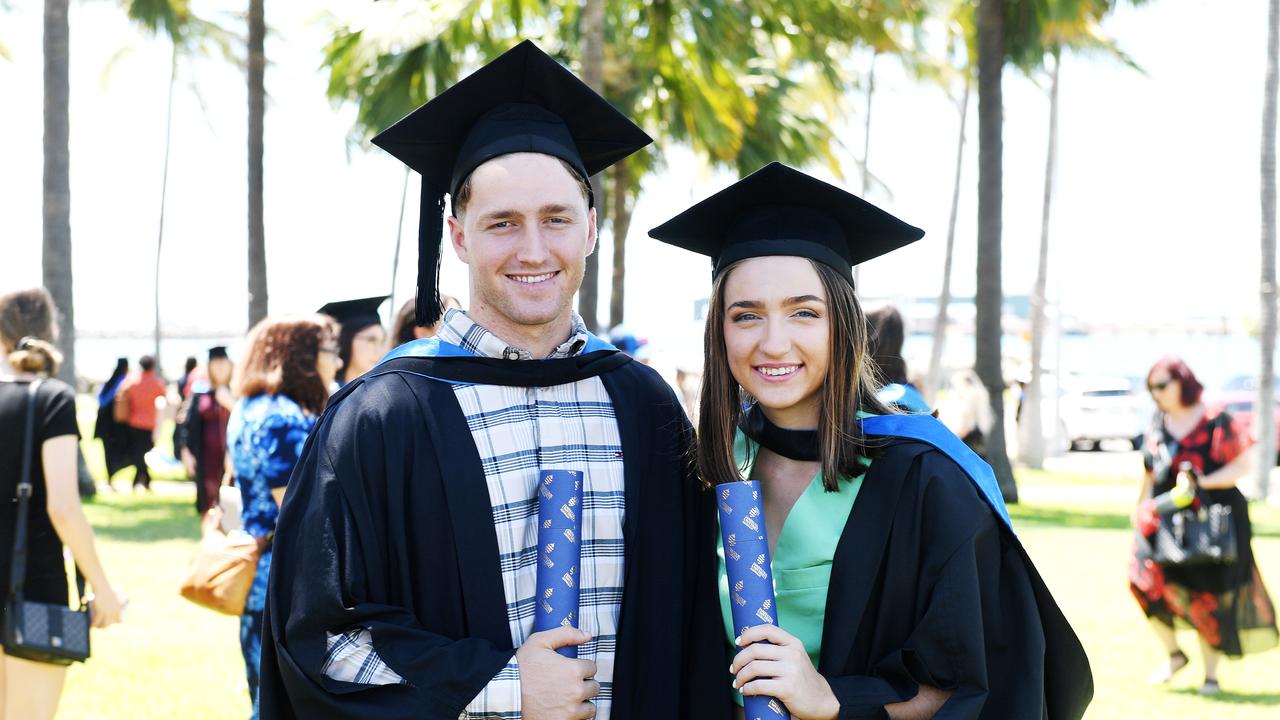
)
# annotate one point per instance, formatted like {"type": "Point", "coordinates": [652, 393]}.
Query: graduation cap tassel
{"type": "Point", "coordinates": [430, 227]}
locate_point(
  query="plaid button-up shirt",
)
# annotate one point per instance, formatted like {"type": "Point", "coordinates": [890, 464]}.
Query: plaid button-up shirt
{"type": "Point", "coordinates": [517, 431]}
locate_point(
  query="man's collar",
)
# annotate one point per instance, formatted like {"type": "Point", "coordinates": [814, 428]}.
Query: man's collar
{"type": "Point", "coordinates": [459, 329]}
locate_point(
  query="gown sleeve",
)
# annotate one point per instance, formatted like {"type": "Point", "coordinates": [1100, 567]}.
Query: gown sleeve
{"type": "Point", "coordinates": [191, 430]}
{"type": "Point", "coordinates": [974, 620]}
{"type": "Point", "coordinates": [331, 576]}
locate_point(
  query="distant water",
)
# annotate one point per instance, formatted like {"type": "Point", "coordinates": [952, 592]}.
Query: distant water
{"type": "Point", "coordinates": [96, 357]}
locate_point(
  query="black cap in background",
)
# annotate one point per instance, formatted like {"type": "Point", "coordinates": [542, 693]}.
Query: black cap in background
{"type": "Point", "coordinates": [355, 314]}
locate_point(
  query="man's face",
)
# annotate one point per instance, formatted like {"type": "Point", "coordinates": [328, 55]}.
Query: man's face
{"type": "Point", "coordinates": [525, 235]}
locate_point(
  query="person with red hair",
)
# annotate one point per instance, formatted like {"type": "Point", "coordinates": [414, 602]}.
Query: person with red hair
{"type": "Point", "coordinates": [281, 386]}
{"type": "Point", "coordinates": [1226, 603]}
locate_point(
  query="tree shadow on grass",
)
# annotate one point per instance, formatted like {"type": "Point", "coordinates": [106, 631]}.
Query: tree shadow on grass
{"type": "Point", "coordinates": [143, 518]}
{"type": "Point", "coordinates": [1040, 516]}
{"type": "Point", "coordinates": [1234, 698]}
{"type": "Point", "coordinates": [1112, 519]}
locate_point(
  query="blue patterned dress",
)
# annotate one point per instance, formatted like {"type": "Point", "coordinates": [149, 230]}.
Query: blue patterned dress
{"type": "Point", "coordinates": [265, 437]}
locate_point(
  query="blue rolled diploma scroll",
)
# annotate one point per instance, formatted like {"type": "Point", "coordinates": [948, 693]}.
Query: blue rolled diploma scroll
{"type": "Point", "coordinates": [746, 562]}
{"type": "Point", "coordinates": [559, 552]}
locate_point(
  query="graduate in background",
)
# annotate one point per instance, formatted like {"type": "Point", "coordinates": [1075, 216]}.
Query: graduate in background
{"type": "Point", "coordinates": [205, 439]}
{"type": "Point", "coordinates": [112, 432]}
{"type": "Point", "coordinates": [363, 340]}
{"type": "Point", "coordinates": [406, 327]}
{"type": "Point", "coordinates": [884, 344]}
{"type": "Point", "coordinates": [901, 587]}
{"type": "Point", "coordinates": [403, 584]}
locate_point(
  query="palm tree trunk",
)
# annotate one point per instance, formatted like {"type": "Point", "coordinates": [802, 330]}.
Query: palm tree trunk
{"type": "Point", "coordinates": [257, 114]}
{"type": "Point", "coordinates": [164, 189]}
{"type": "Point", "coordinates": [56, 251]}
{"type": "Point", "coordinates": [866, 126]}
{"type": "Point", "coordinates": [944, 298]}
{"type": "Point", "coordinates": [621, 222]}
{"type": "Point", "coordinates": [395, 259]}
{"type": "Point", "coordinates": [866, 139]}
{"type": "Point", "coordinates": [1266, 383]}
{"type": "Point", "coordinates": [990, 296]}
{"type": "Point", "coordinates": [1031, 447]}
{"type": "Point", "coordinates": [592, 29]}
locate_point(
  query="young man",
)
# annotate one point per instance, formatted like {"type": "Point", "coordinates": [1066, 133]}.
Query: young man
{"type": "Point", "coordinates": [403, 581]}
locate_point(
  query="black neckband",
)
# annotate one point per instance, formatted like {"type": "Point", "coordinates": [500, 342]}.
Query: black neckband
{"type": "Point", "coordinates": [795, 444]}
{"type": "Point", "coordinates": [511, 373]}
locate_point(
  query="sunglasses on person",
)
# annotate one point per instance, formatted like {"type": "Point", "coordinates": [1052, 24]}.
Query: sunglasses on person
{"type": "Point", "coordinates": [1157, 387]}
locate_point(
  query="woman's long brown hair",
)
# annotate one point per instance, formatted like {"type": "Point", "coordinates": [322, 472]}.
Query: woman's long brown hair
{"type": "Point", "coordinates": [281, 360]}
{"type": "Point", "coordinates": [850, 386]}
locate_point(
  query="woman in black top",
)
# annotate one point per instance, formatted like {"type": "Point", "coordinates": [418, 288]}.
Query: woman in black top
{"type": "Point", "coordinates": [30, 690]}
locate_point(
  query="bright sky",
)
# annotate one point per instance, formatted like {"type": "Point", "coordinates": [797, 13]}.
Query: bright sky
{"type": "Point", "coordinates": [1156, 215]}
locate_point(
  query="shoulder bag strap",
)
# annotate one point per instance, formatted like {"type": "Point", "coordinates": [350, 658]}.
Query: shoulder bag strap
{"type": "Point", "coordinates": [18, 572]}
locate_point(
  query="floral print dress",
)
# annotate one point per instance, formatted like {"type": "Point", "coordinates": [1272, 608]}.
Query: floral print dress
{"type": "Point", "coordinates": [265, 435]}
{"type": "Point", "coordinates": [1227, 604]}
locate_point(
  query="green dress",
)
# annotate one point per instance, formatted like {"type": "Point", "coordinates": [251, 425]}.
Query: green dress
{"type": "Point", "coordinates": [802, 561]}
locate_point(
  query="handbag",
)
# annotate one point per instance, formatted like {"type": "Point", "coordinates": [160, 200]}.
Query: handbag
{"type": "Point", "coordinates": [43, 632]}
{"type": "Point", "coordinates": [221, 573]}
{"type": "Point", "coordinates": [1196, 537]}
{"type": "Point", "coordinates": [121, 408]}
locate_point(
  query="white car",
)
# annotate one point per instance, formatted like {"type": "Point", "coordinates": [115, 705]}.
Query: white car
{"type": "Point", "coordinates": [1096, 408]}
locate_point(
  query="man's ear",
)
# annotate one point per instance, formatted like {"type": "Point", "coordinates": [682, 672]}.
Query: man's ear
{"type": "Point", "coordinates": [592, 234]}
{"type": "Point", "coordinates": [458, 238]}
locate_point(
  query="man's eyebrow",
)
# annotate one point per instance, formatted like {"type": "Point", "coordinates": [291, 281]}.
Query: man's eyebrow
{"type": "Point", "coordinates": [511, 214]}
{"type": "Point", "coordinates": [496, 215]}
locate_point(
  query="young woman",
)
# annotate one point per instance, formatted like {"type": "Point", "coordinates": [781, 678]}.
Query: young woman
{"type": "Point", "coordinates": [282, 386]}
{"type": "Point", "coordinates": [362, 340]}
{"type": "Point", "coordinates": [30, 690]}
{"type": "Point", "coordinates": [204, 436]}
{"type": "Point", "coordinates": [884, 344]}
{"type": "Point", "coordinates": [900, 586]}
{"type": "Point", "coordinates": [1226, 604]}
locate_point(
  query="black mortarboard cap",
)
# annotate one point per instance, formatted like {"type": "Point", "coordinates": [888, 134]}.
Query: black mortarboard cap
{"type": "Point", "coordinates": [218, 351]}
{"type": "Point", "coordinates": [778, 210]}
{"type": "Point", "coordinates": [522, 101]}
{"type": "Point", "coordinates": [355, 313]}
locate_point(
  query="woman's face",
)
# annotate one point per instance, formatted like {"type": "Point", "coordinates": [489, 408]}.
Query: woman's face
{"type": "Point", "coordinates": [219, 371]}
{"type": "Point", "coordinates": [777, 336]}
{"type": "Point", "coordinates": [328, 363]}
{"type": "Point", "coordinates": [367, 348]}
{"type": "Point", "coordinates": [1165, 390]}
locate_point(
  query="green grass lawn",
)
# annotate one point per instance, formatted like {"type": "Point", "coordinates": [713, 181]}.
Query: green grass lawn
{"type": "Point", "coordinates": [171, 659]}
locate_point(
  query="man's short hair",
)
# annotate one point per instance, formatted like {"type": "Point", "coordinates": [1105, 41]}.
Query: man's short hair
{"type": "Point", "coordinates": [463, 196]}
{"type": "Point", "coordinates": [147, 363]}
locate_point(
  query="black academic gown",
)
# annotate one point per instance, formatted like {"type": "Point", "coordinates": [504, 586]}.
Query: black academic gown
{"type": "Point", "coordinates": [387, 525]}
{"type": "Point", "coordinates": [114, 434]}
{"type": "Point", "coordinates": [929, 587]}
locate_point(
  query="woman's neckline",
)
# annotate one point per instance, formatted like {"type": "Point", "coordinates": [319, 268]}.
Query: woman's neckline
{"type": "Point", "coordinates": [1187, 422]}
